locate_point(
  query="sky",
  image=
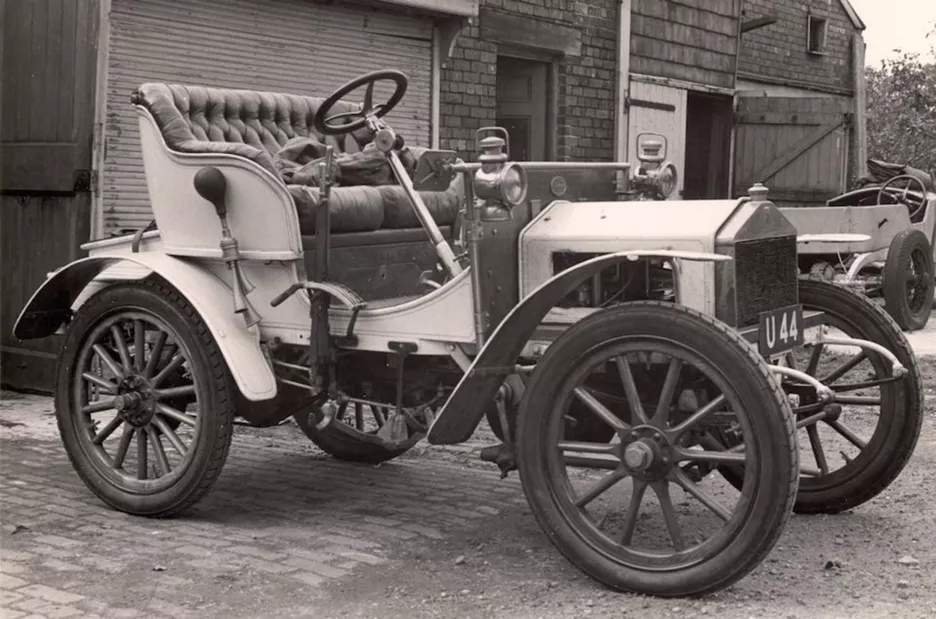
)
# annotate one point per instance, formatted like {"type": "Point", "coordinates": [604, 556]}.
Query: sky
{"type": "Point", "coordinates": [897, 24]}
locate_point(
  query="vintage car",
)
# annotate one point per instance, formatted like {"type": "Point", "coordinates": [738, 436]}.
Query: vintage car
{"type": "Point", "coordinates": [896, 211]}
{"type": "Point", "coordinates": [646, 365]}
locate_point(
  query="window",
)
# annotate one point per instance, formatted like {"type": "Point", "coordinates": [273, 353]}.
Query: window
{"type": "Point", "coordinates": [816, 35]}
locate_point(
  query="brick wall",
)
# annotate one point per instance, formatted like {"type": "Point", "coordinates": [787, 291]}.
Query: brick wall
{"type": "Point", "coordinates": [586, 83]}
{"type": "Point", "coordinates": [779, 50]}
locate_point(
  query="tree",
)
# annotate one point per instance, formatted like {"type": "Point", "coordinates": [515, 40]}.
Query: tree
{"type": "Point", "coordinates": [902, 111]}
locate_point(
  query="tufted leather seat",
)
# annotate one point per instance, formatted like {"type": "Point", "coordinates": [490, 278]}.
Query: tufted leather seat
{"type": "Point", "coordinates": [255, 125]}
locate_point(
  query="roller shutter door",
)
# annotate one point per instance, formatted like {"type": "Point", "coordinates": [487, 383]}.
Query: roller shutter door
{"type": "Point", "coordinates": [294, 46]}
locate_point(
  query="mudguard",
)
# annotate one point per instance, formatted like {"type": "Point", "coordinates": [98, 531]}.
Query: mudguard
{"type": "Point", "coordinates": [462, 413]}
{"type": "Point", "coordinates": [50, 306]}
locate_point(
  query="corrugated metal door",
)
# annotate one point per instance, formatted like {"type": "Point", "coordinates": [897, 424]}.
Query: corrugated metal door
{"type": "Point", "coordinates": [293, 46]}
{"type": "Point", "coordinates": [659, 109]}
{"type": "Point", "coordinates": [796, 146]}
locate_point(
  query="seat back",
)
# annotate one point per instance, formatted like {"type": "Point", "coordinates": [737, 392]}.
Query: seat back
{"type": "Point", "coordinates": [251, 124]}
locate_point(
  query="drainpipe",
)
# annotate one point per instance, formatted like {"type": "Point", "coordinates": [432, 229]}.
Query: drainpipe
{"type": "Point", "coordinates": [436, 88]}
{"type": "Point", "coordinates": [623, 80]}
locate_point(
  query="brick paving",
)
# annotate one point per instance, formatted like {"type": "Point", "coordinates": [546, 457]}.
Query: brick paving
{"type": "Point", "coordinates": [282, 517]}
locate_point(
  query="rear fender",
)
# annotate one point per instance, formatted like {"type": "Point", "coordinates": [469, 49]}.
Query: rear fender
{"type": "Point", "coordinates": [462, 412]}
{"type": "Point", "coordinates": [50, 307]}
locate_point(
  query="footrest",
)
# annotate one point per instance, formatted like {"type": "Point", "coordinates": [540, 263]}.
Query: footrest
{"type": "Point", "coordinates": [342, 293]}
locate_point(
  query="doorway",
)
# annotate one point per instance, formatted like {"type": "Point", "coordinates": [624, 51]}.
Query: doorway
{"type": "Point", "coordinates": [523, 106]}
{"type": "Point", "coordinates": [708, 146]}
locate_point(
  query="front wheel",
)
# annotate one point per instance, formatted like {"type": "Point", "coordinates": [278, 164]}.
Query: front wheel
{"type": "Point", "coordinates": [908, 280]}
{"type": "Point", "coordinates": [662, 378]}
{"type": "Point", "coordinates": [143, 399]}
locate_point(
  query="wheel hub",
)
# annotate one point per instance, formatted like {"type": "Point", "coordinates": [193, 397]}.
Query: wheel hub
{"type": "Point", "coordinates": [134, 401]}
{"type": "Point", "coordinates": [646, 453]}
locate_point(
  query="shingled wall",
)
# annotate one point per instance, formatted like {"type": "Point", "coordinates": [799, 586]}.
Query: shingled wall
{"type": "Point", "coordinates": [778, 51]}
{"type": "Point", "coordinates": [585, 83]}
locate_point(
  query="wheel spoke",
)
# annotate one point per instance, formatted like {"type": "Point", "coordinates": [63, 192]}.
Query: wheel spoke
{"type": "Point", "coordinates": [601, 487]}
{"type": "Point", "coordinates": [162, 462]}
{"type": "Point", "coordinates": [108, 360]}
{"type": "Point", "coordinates": [155, 354]}
{"type": "Point", "coordinates": [700, 495]}
{"type": "Point", "coordinates": [844, 369]}
{"type": "Point", "coordinates": [359, 416]}
{"type": "Point", "coordinates": [139, 345]}
{"type": "Point", "coordinates": [661, 416]}
{"type": "Point", "coordinates": [101, 436]}
{"type": "Point", "coordinates": [816, 445]}
{"type": "Point", "coordinates": [171, 436]}
{"type": "Point", "coordinates": [694, 455]}
{"type": "Point", "coordinates": [630, 389]}
{"type": "Point", "coordinates": [98, 407]}
{"type": "Point", "coordinates": [100, 382]}
{"type": "Point", "coordinates": [661, 489]}
{"type": "Point", "coordinates": [172, 413]}
{"type": "Point", "coordinates": [845, 431]}
{"type": "Point", "coordinates": [121, 345]}
{"type": "Point", "coordinates": [696, 417]}
{"type": "Point", "coordinates": [599, 409]}
{"type": "Point", "coordinates": [814, 355]}
{"type": "Point", "coordinates": [589, 448]}
{"type": "Point", "coordinates": [141, 454]}
{"type": "Point", "coordinates": [174, 364]}
{"type": "Point", "coordinates": [633, 510]}
{"type": "Point", "coordinates": [378, 416]}
{"type": "Point", "coordinates": [173, 392]}
{"type": "Point", "coordinates": [123, 446]}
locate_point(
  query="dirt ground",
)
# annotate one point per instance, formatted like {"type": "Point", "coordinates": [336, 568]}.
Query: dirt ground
{"type": "Point", "coordinates": [288, 532]}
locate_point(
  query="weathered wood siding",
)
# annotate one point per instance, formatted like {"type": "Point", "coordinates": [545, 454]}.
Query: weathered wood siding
{"type": "Point", "coordinates": [47, 72]}
{"type": "Point", "coordinates": [692, 40]}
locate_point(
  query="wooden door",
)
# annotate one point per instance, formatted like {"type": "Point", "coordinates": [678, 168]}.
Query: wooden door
{"type": "Point", "coordinates": [522, 96]}
{"type": "Point", "coordinates": [47, 76]}
{"type": "Point", "coordinates": [654, 108]}
{"type": "Point", "coordinates": [797, 146]}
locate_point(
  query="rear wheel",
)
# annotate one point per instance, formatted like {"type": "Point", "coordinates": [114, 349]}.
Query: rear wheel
{"type": "Point", "coordinates": [143, 399]}
{"type": "Point", "coordinates": [678, 375]}
{"type": "Point", "coordinates": [908, 280]}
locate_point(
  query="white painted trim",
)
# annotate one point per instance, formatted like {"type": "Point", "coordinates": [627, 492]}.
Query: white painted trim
{"type": "Point", "coordinates": [623, 81]}
{"type": "Point", "coordinates": [681, 84]}
{"type": "Point", "coordinates": [98, 142]}
{"type": "Point", "coordinates": [467, 8]}
{"type": "Point", "coordinates": [435, 88]}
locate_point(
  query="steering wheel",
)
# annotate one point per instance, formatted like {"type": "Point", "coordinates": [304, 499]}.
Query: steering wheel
{"type": "Point", "coordinates": [910, 201]}
{"type": "Point", "coordinates": [326, 125]}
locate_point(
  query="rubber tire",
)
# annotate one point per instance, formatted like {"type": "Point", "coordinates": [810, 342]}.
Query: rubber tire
{"type": "Point", "coordinates": [346, 446]}
{"type": "Point", "coordinates": [903, 433]}
{"type": "Point", "coordinates": [774, 429]}
{"type": "Point", "coordinates": [894, 286]}
{"type": "Point", "coordinates": [214, 438]}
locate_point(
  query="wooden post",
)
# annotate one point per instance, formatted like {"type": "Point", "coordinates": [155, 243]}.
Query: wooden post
{"type": "Point", "coordinates": [861, 106]}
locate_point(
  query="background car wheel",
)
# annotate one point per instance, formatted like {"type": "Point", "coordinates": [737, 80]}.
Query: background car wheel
{"type": "Point", "coordinates": [679, 373]}
{"type": "Point", "coordinates": [909, 280]}
{"type": "Point", "coordinates": [353, 434]}
{"type": "Point", "coordinates": [143, 399]}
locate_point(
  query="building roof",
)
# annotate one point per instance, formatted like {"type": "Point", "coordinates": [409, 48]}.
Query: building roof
{"type": "Point", "coordinates": [852, 14]}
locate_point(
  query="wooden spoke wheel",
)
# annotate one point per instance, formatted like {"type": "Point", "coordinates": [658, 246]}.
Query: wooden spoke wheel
{"type": "Point", "coordinates": [855, 448]}
{"type": "Point", "coordinates": [625, 511]}
{"type": "Point", "coordinates": [143, 400]}
{"type": "Point", "coordinates": [909, 280]}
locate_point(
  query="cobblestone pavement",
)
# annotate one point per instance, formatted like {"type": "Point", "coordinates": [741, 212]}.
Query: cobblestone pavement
{"type": "Point", "coordinates": [283, 518]}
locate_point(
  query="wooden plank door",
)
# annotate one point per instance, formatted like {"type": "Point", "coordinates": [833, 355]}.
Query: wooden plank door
{"type": "Point", "coordinates": [47, 76]}
{"type": "Point", "coordinates": [797, 146]}
{"type": "Point", "coordinates": [654, 108]}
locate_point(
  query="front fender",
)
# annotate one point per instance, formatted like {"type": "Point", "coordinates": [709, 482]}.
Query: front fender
{"type": "Point", "coordinates": [50, 306]}
{"type": "Point", "coordinates": [463, 411]}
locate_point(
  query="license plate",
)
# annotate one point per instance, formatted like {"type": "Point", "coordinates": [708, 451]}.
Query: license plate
{"type": "Point", "coordinates": [780, 330]}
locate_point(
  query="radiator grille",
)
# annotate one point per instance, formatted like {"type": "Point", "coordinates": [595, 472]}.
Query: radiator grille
{"type": "Point", "coordinates": [765, 276]}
